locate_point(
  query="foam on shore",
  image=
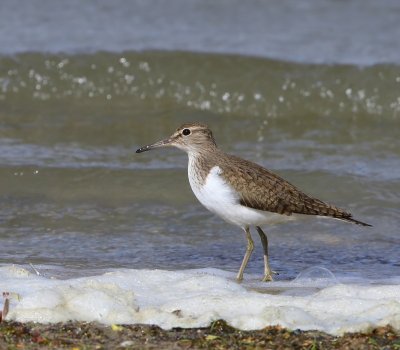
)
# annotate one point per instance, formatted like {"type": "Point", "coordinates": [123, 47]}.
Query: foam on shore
{"type": "Point", "coordinates": [195, 298]}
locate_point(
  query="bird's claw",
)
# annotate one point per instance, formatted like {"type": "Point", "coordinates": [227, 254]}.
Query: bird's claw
{"type": "Point", "coordinates": [268, 276]}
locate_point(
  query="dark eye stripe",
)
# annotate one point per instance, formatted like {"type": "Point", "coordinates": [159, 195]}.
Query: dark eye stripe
{"type": "Point", "coordinates": [186, 132]}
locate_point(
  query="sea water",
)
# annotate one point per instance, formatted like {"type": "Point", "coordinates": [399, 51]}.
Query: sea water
{"type": "Point", "coordinates": [118, 237]}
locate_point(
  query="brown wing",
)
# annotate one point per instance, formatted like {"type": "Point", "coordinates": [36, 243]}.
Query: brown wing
{"type": "Point", "coordinates": [263, 190]}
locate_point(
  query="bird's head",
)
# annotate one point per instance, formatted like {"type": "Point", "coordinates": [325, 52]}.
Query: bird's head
{"type": "Point", "coordinates": [191, 138]}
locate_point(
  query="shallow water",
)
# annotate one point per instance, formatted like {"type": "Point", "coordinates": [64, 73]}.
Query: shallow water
{"type": "Point", "coordinates": [75, 199]}
{"type": "Point", "coordinates": [75, 193]}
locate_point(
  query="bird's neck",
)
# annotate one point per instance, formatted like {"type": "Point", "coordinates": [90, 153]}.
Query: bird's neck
{"type": "Point", "coordinates": [201, 161]}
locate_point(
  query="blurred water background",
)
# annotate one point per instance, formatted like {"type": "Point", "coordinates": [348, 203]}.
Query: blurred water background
{"type": "Point", "coordinates": [309, 89]}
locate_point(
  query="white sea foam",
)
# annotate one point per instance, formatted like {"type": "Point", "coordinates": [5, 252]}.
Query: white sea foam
{"type": "Point", "coordinates": [195, 298]}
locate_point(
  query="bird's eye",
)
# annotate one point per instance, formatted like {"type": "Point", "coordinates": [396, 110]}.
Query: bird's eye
{"type": "Point", "coordinates": [186, 132]}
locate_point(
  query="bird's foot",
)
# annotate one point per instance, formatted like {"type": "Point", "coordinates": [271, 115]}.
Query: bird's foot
{"type": "Point", "coordinates": [268, 276]}
{"type": "Point", "coordinates": [239, 278]}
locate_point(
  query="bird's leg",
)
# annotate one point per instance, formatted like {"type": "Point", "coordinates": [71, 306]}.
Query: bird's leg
{"type": "Point", "coordinates": [249, 250]}
{"type": "Point", "coordinates": [267, 270]}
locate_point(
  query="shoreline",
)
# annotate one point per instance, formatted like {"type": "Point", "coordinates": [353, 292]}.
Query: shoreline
{"type": "Point", "coordinates": [89, 335]}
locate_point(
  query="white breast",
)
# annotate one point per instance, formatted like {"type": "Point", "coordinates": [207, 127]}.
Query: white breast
{"type": "Point", "coordinates": [220, 198]}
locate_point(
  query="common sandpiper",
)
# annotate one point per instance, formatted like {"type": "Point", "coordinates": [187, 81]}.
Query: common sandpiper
{"type": "Point", "coordinates": [241, 192]}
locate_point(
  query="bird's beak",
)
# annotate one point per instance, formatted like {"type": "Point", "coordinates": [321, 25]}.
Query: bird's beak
{"type": "Point", "coordinates": [162, 143]}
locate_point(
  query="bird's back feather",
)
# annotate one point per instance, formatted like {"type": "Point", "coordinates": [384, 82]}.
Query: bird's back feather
{"type": "Point", "coordinates": [261, 189]}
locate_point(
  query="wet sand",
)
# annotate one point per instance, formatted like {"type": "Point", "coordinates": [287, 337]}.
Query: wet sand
{"type": "Point", "coordinates": [82, 335]}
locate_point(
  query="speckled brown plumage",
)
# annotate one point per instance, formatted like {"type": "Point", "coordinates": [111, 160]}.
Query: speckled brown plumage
{"type": "Point", "coordinates": [261, 189]}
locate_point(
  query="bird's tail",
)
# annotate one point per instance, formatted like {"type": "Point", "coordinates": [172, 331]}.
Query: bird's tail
{"type": "Point", "coordinates": [317, 207]}
{"type": "Point", "coordinates": [354, 221]}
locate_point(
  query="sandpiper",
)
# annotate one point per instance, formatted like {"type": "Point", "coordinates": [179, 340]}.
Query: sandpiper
{"type": "Point", "coordinates": [242, 192]}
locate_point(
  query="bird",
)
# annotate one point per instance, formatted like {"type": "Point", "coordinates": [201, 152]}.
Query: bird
{"type": "Point", "coordinates": [242, 192]}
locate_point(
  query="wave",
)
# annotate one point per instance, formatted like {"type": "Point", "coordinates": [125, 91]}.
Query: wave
{"type": "Point", "coordinates": [220, 84]}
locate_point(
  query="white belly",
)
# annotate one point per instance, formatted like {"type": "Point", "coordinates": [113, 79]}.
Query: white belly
{"type": "Point", "coordinates": [220, 198]}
